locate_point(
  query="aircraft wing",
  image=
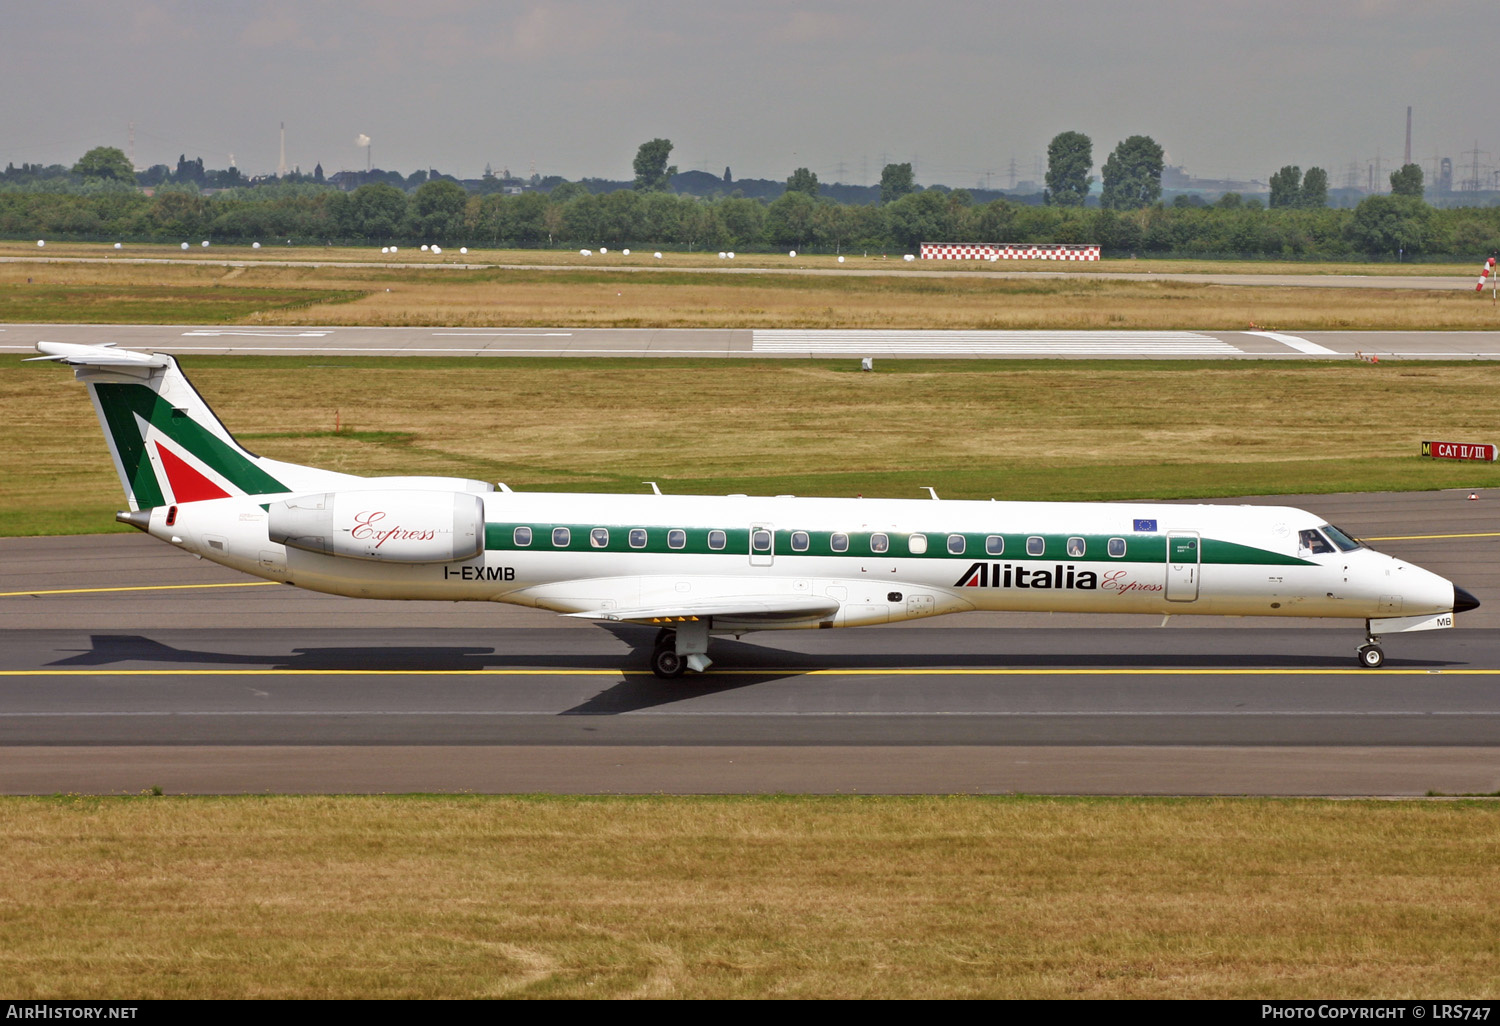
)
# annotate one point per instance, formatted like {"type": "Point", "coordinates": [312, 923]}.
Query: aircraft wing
{"type": "Point", "coordinates": [750, 607]}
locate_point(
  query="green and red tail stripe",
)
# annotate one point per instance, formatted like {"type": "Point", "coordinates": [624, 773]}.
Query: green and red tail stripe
{"type": "Point", "coordinates": [168, 446]}
{"type": "Point", "coordinates": [165, 455]}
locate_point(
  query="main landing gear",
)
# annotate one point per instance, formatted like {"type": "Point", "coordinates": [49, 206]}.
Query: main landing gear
{"type": "Point", "coordinates": [681, 648]}
{"type": "Point", "coordinates": [665, 662]}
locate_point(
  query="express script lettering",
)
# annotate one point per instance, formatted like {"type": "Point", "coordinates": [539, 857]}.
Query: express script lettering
{"type": "Point", "coordinates": [367, 525]}
{"type": "Point", "coordinates": [1119, 581]}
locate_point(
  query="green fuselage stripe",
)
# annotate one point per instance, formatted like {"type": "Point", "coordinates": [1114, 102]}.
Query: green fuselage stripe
{"type": "Point", "coordinates": [1138, 548]}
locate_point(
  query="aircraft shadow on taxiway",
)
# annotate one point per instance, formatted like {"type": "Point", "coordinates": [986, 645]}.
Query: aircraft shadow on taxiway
{"type": "Point", "coordinates": [753, 664]}
{"type": "Point", "coordinates": [748, 659]}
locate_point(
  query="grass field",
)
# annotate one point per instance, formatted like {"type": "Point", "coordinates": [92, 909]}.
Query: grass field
{"type": "Point", "coordinates": [589, 294]}
{"type": "Point", "coordinates": [643, 257]}
{"type": "Point", "coordinates": [426, 897]}
{"type": "Point", "coordinates": [422, 897]}
{"type": "Point", "coordinates": [153, 304]}
{"type": "Point", "coordinates": [971, 429]}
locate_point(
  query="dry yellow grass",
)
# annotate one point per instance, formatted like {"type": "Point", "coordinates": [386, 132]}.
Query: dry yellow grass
{"type": "Point", "coordinates": [983, 304]}
{"type": "Point", "coordinates": [588, 297]}
{"type": "Point", "coordinates": [714, 898]}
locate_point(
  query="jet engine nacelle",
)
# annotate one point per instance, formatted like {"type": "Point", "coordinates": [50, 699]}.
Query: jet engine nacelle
{"type": "Point", "coordinates": [385, 525]}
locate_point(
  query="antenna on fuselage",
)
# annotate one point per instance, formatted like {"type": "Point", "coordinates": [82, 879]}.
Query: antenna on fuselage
{"type": "Point", "coordinates": [931, 491]}
{"type": "Point", "coordinates": [654, 490]}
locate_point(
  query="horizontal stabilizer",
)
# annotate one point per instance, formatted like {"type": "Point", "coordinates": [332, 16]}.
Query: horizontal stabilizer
{"type": "Point", "coordinates": [105, 355]}
{"type": "Point", "coordinates": [756, 607]}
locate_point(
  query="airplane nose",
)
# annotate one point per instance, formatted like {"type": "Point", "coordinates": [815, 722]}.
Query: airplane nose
{"type": "Point", "coordinates": [1463, 601]}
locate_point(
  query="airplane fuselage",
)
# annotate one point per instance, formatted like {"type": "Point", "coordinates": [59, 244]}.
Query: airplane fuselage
{"type": "Point", "coordinates": [877, 560]}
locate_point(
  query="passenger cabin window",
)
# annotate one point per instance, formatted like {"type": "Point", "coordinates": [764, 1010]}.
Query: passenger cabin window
{"type": "Point", "coordinates": [1345, 542]}
{"type": "Point", "coordinates": [1036, 545]}
{"type": "Point", "coordinates": [717, 540]}
{"type": "Point", "coordinates": [839, 543]}
{"type": "Point", "coordinates": [916, 544]}
{"type": "Point", "coordinates": [880, 543]}
{"type": "Point", "coordinates": [637, 537]}
{"type": "Point", "coordinates": [560, 537]}
{"type": "Point", "coordinates": [994, 545]}
{"type": "Point", "coordinates": [956, 545]}
{"type": "Point", "coordinates": [676, 538]}
{"type": "Point", "coordinates": [760, 540]}
{"type": "Point", "coordinates": [1117, 547]}
{"type": "Point", "coordinates": [1315, 541]}
{"type": "Point", "coordinates": [800, 541]}
{"type": "Point", "coordinates": [599, 537]}
{"type": "Point", "coordinates": [521, 536]}
{"type": "Point", "coordinates": [1076, 547]}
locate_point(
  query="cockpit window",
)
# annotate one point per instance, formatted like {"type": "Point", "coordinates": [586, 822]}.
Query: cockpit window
{"type": "Point", "coordinates": [1313, 540]}
{"type": "Point", "coordinates": [1345, 542]}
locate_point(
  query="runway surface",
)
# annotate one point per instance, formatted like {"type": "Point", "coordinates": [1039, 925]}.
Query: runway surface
{"type": "Point", "coordinates": [747, 343]}
{"type": "Point", "coordinates": [126, 664]}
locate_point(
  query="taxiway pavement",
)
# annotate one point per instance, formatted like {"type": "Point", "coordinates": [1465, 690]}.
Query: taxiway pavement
{"type": "Point", "coordinates": [125, 664]}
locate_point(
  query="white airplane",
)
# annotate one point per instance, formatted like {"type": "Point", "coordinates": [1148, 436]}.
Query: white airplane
{"type": "Point", "coordinates": [697, 565]}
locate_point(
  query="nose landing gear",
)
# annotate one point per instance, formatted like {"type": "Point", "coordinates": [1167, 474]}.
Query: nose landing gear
{"type": "Point", "coordinates": [1371, 656]}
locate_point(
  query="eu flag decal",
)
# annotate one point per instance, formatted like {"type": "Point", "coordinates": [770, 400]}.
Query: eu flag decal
{"type": "Point", "coordinates": [1145, 525]}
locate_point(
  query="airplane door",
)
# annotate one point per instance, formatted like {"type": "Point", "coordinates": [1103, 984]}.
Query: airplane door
{"type": "Point", "coordinates": [1182, 566]}
{"type": "Point", "coordinates": [762, 544]}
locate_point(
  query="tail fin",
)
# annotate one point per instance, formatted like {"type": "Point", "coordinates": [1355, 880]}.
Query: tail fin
{"type": "Point", "coordinates": [167, 445]}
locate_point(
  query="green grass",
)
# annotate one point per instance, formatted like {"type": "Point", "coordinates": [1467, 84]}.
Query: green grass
{"type": "Point", "coordinates": [21, 303]}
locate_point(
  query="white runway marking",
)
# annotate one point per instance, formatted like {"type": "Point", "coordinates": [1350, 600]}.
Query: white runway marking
{"type": "Point", "coordinates": [502, 334]}
{"type": "Point", "coordinates": [1302, 345]}
{"type": "Point", "coordinates": [215, 333]}
{"type": "Point", "coordinates": [1009, 343]}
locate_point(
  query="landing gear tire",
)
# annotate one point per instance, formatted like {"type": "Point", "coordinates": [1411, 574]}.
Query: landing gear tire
{"type": "Point", "coordinates": [1371, 657]}
{"type": "Point", "coordinates": [665, 662]}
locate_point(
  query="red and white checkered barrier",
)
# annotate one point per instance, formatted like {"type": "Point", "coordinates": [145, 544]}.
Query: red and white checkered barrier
{"type": "Point", "coordinates": [1006, 251]}
{"type": "Point", "coordinates": [1489, 267]}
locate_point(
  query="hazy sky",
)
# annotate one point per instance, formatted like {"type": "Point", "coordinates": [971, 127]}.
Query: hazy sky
{"type": "Point", "coordinates": [572, 87]}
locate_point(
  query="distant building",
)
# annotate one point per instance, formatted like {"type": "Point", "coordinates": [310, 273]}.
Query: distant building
{"type": "Point", "coordinates": [1176, 179]}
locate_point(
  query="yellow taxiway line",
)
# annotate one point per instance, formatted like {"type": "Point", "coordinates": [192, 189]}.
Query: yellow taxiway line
{"type": "Point", "coordinates": [1429, 537]}
{"type": "Point", "coordinates": [139, 587]}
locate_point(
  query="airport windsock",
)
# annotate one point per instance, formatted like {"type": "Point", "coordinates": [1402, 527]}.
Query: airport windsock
{"type": "Point", "coordinates": [1485, 272]}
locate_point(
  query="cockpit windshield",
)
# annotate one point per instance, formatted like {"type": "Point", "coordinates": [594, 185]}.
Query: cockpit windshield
{"type": "Point", "coordinates": [1324, 539]}
{"type": "Point", "coordinates": [1313, 540]}
{"type": "Point", "coordinates": [1345, 542]}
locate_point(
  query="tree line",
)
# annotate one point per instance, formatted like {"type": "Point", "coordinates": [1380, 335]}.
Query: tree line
{"type": "Point", "coordinates": [1132, 222]}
